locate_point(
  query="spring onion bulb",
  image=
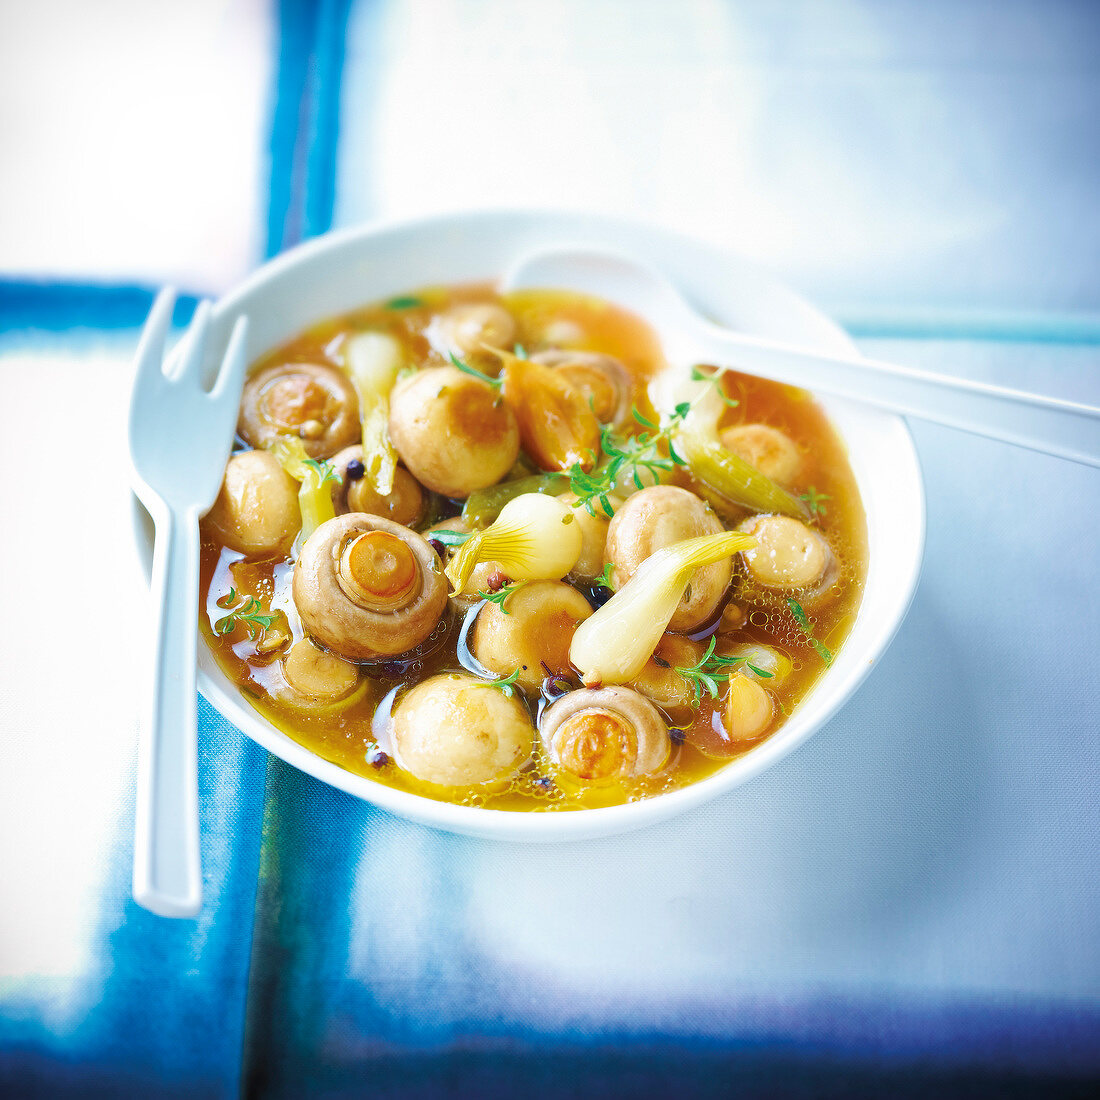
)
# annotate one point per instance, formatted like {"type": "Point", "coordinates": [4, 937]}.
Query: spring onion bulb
{"type": "Point", "coordinates": [612, 646]}
{"type": "Point", "coordinates": [314, 497]}
{"type": "Point", "coordinates": [373, 360]}
{"type": "Point", "coordinates": [535, 538]}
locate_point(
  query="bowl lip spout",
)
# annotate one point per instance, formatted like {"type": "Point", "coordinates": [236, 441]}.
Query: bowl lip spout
{"type": "Point", "coordinates": [334, 273]}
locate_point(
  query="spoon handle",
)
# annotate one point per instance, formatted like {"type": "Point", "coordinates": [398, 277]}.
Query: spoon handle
{"type": "Point", "coordinates": [1045, 424]}
{"type": "Point", "coordinates": [167, 873]}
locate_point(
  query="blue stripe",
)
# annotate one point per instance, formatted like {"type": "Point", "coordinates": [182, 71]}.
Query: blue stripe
{"type": "Point", "coordinates": [57, 306]}
{"type": "Point", "coordinates": [305, 120]}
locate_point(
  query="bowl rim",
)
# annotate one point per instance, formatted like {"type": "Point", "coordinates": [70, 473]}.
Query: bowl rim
{"type": "Point", "coordinates": [525, 825]}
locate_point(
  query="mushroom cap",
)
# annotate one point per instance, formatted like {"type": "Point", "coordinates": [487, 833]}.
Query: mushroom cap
{"type": "Point", "coordinates": [404, 504]}
{"type": "Point", "coordinates": [601, 378]}
{"type": "Point", "coordinates": [788, 554]}
{"type": "Point", "coordinates": [452, 431]}
{"type": "Point", "coordinates": [454, 730]}
{"type": "Point", "coordinates": [338, 564]}
{"type": "Point", "coordinates": [534, 627]}
{"type": "Point", "coordinates": [657, 517]}
{"type": "Point", "coordinates": [466, 328]}
{"type": "Point", "coordinates": [256, 511]}
{"type": "Point", "coordinates": [605, 733]}
{"type": "Point", "coordinates": [313, 401]}
{"type": "Point", "coordinates": [771, 451]}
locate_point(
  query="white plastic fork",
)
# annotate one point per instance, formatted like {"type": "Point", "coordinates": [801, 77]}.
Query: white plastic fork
{"type": "Point", "coordinates": [169, 398]}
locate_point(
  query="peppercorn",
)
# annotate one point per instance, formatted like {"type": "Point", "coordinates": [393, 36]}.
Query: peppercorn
{"type": "Point", "coordinates": [356, 470]}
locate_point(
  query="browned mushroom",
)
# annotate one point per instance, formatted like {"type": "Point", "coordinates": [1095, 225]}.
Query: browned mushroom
{"type": "Point", "coordinates": [659, 679]}
{"type": "Point", "coordinates": [452, 431]}
{"type": "Point", "coordinates": [605, 733]}
{"type": "Point", "coordinates": [368, 588]}
{"type": "Point", "coordinates": [256, 511]}
{"type": "Point", "coordinates": [404, 504]}
{"type": "Point", "coordinates": [602, 379]}
{"type": "Point", "coordinates": [658, 517]}
{"type": "Point", "coordinates": [315, 402]}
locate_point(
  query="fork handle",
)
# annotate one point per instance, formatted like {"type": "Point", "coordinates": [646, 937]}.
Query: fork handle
{"type": "Point", "coordinates": [167, 873]}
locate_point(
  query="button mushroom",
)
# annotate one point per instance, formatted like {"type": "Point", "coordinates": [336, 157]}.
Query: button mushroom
{"type": "Point", "coordinates": [452, 431]}
{"type": "Point", "coordinates": [604, 734]}
{"type": "Point", "coordinates": [315, 402]}
{"type": "Point", "coordinates": [256, 511]}
{"type": "Point", "coordinates": [467, 328]}
{"type": "Point", "coordinates": [355, 493]}
{"type": "Point", "coordinates": [368, 588]}
{"type": "Point", "coordinates": [771, 451]}
{"type": "Point", "coordinates": [534, 627]}
{"type": "Point", "coordinates": [455, 730]}
{"type": "Point", "coordinates": [602, 379]}
{"type": "Point", "coordinates": [788, 554]}
{"type": "Point", "coordinates": [658, 517]}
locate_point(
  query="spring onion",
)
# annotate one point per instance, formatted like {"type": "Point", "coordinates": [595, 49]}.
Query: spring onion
{"type": "Point", "coordinates": [612, 646]}
{"type": "Point", "coordinates": [314, 495]}
{"type": "Point", "coordinates": [374, 360]}
{"type": "Point", "coordinates": [535, 537]}
{"type": "Point", "coordinates": [484, 505]}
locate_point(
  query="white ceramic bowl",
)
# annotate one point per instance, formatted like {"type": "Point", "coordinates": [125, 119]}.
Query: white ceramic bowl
{"type": "Point", "coordinates": [346, 269]}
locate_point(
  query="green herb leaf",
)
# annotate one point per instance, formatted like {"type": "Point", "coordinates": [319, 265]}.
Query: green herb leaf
{"type": "Point", "coordinates": [519, 351]}
{"type": "Point", "coordinates": [814, 500]}
{"type": "Point", "coordinates": [708, 672]}
{"type": "Point", "coordinates": [247, 615]}
{"type": "Point", "coordinates": [323, 470]}
{"type": "Point", "coordinates": [507, 684]}
{"type": "Point", "coordinates": [496, 383]}
{"type": "Point", "coordinates": [501, 595]}
{"type": "Point", "coordinates": [804, 625]}
{"type": "Point", "coordinates": [715, 380]}
{"type": "Point", "coordinates": [408, 302]}
{"type": "Point", "coordinates": [450, 538]}
{"type": "Point", "coordinates": [604, 579]}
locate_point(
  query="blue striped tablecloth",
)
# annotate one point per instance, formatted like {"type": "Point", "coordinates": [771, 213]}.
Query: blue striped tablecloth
{"type": "Point", "coordinates": [908, 905]}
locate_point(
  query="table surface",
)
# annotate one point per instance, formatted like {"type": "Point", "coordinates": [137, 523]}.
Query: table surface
{"type": "Point", "coordinates": [909, 903]}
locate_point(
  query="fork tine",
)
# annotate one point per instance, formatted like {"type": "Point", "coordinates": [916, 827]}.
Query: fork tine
{"type": "Point", "coordinates": [188, 360]}
{"type": "Point", "coordinates": [150, 352]}
{"type": "Point", "coordinates": [231, 372]}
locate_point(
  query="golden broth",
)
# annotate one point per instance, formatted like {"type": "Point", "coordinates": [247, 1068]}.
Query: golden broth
{"type": "Point", "coordinates": [353, 733]}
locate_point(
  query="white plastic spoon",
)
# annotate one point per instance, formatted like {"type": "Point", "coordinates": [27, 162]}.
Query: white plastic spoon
{"type": "Point", "coordinates": [1062, 428]}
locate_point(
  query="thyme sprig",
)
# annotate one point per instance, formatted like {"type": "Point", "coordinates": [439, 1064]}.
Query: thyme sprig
{"type": "Point", "coordinates": [715, 380]}
{"type": "Point", "coordinates": [324, 471]}
{"type": "Point", "coordinates": [604, 579]}
{"type": "Point", "coordinates": [712, 669]}
{"type": "Point", "coordinates": [507, 684]}
{"type": "Point", "coordinates": [650, 451]}
{"type": "Point", "coordinates": [805, 626]}
{"type": "Point", "coordinates": [496, 383]}
{"type": "Point", "coordinates": [247, 615]}
{"type": "Point", "coordinates": [814, 501]}
{"type": "Point", "coordinates": [501, 594]}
